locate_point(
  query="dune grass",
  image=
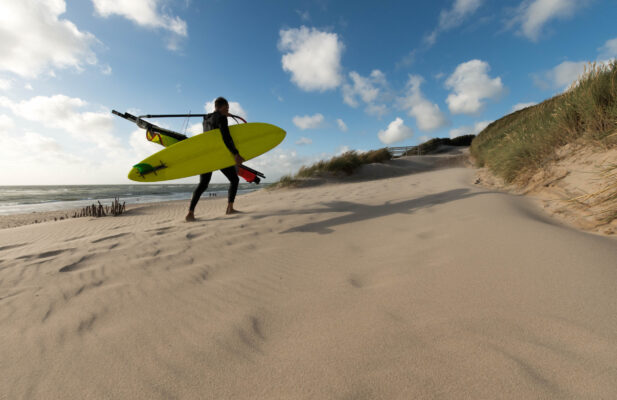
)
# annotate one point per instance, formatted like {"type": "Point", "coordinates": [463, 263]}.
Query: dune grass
{"type": "Point", "coordinates": [342, 165]}
{"type": "Point", "coordinates": [520, 143]}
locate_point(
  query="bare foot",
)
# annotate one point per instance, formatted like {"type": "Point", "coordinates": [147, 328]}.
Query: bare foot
{"type": "Point", "coordinates": [190, 217]}
{"type": "Point", "coordinates": [231, 209]}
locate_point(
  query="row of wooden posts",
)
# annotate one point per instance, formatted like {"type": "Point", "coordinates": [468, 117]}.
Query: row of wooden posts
{"type": "Point", "coordinates": [100, 210]}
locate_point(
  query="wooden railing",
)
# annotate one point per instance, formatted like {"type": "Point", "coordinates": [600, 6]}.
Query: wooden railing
{"type": "Point", "coordinates": [400, 151]}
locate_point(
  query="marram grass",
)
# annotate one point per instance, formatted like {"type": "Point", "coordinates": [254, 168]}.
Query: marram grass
{"type": "Point", "coordinates": [345, 164]}
{"type": "Point", "coordinates": [519, 144]}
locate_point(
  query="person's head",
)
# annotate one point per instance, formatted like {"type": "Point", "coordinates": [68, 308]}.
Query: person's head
{"type": "Point", "coordinates": [221, 105]}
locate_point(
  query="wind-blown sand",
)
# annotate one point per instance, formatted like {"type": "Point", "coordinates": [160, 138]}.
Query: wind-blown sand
{"type": "Point", "coordinates": [416, 286]}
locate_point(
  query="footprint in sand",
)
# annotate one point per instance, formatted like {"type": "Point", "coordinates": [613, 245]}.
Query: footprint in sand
{"type": "Point", "coordinates": [192, 235]}
{"type": "Point", "coordinates": [356, 282]}
{"type": "Point", "coordinates": [45, 254]}
{"type": "Point", "coordinates": [74, 266]}
{"type": "Point", "coordinates": [160, 231]}
{"type": "Point", "coordinates": [426, 235]}
{"type": "Point", "coordinates": [13, 246]}
{"type": "Point", "coordinates": [109, 237]}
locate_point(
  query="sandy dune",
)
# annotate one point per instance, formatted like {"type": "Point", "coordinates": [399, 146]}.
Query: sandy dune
{"type": "Point", "coordinates": [417, 286]}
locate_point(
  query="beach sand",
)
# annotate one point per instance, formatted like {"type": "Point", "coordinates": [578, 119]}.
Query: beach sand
{"type": "Point", "coordinates": [417, 286]}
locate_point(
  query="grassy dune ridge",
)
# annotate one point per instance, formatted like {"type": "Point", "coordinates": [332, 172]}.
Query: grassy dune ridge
{"type": "Point", "coordinates": [519, 144]}
{"type": "Point", "coordinates": [348, 162]}
{"type": "Point", "coordinates": [344, 164]}
{"type": "Point", "coordinates": [431, 146]}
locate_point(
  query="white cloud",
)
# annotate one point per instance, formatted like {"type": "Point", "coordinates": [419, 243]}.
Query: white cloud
{"type": "Point", "coordinates": [341, 125]}
{"type": "Point", "coordinates": [342, 150]}
{"type": "Point", "coordinates": [396, 132]}
{"type": "Point", "coordinates": [428, 115]}
{"type": "Point", "coordinates": [146, 13]}
{"type": "Point", "coordinates": [308, 121]}
{"type": "Point", "coordinates": [43, 159]}
{"type": "Point", "coordinates": [378, 110]}
{"type": "Point", "coordinates": [5, 84]}
{"type": "Point", "coordinates": [313, 58]}
{"type": "Point", "coordinates": [453, 17]}
{"type": "Point", "coordinates": [567, 73]}
{"type": "Point", "coordinates": [32, 158]}
{"type": "Point", "coordinates": [35, 39]}
{"type": "Point", "coordinates": [533, 15]}
{"type": "Point", "coordinates": [364, 88]}
{"type": "Point", "coordinates": [520, 106]}
{"type": "Point", "coordinates": [304, 15]}
{"type": "Point", "coordinates": [141, 147]}
{"type": "Point", "coordinates": [6, 123]}
{"type": "Point", "coordinates": [195, 129]}
{"type": "Point", "coordinates": [407, 60]}
{"type": "Point", "coordinates": [39, 159]}
{"type": "Point", "coordinates": [303, 141]}
{"type": "Point", "coordinates": [561, 76]}
{"type": "Point", "coordinates": [279, 162]}
{"type": "Point", "coordinates": [28, 86]}
{"type": "Point", "coordinates": [609, 49]}
{"type": "Point", "coordinates": [62, 112]}
{"type": "Point", "coordinates": [106, 69]}
{"type": "Point", "coordinates": [471, 84]}
{"type": "Point", "coordinates": [469, 130]}
{"type": "Point", "coordinates": [369, 90]}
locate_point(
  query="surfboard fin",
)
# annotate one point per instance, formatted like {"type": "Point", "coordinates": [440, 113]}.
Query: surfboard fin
{"type": "Point", "coordinates": [144, 168]}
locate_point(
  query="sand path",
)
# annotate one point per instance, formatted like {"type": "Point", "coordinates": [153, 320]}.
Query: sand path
{"type": "Point", "coordinates": [418, 286]}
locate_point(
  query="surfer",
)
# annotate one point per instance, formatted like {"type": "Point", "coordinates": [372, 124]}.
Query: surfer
{"type": "Point", "coordinates": [218, 120]}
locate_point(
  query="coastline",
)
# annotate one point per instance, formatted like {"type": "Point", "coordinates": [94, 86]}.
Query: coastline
{"type": "Point", "coordinates": [37, 217]}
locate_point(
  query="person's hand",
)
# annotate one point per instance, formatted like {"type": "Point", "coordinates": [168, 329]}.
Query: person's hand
{"type": "Point", "coordinates": [239, 160]}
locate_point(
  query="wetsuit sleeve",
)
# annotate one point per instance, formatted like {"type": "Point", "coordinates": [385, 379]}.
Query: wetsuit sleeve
{"type": "Point", "coordinates": [229, 142]}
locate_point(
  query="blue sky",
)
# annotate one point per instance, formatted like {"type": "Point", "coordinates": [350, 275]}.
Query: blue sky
{"type": "Point", "coordinates": [335, 75]}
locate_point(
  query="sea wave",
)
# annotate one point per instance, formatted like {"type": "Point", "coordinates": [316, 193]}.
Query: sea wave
{"type": "Point", "coordinates": [26, 199]}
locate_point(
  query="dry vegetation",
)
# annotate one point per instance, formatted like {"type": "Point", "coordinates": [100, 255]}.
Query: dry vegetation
{"type": "Point", "coordinates": [519, 144]}
{"type": "Point", "coordinates": [342, 165]}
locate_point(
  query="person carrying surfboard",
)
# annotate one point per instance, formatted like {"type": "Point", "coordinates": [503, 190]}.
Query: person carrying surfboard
{"type": "Point", "coordinates": [218, 120]}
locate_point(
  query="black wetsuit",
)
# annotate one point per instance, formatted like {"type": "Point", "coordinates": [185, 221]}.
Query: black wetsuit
{"type": "Point", "coordinates": [217, 120]}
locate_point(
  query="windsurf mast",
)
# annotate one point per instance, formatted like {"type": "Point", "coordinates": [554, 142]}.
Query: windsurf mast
{"type": "Point", "coordinates": [149, 126]}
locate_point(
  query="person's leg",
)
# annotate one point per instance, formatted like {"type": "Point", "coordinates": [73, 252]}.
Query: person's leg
{"type": "Point", "coordinates": [204, 180]}
{"type": "Point", "coordinates": [232, 174]}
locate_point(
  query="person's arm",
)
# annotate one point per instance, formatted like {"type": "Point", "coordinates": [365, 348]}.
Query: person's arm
{"type": "Point", "coordinates": [229, 142]}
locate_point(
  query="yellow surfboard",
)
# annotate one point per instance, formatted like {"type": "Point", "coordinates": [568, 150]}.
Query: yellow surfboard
{"type": "Point", "coordinates": [206, 152]}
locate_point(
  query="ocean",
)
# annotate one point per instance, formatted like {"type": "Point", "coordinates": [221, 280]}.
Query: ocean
{"type": "Point", "coordinates": [27, 199]}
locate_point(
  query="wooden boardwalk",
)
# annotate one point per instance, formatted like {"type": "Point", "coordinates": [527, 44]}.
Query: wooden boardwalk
{"type": "Point", "coordinates": [400, 151]}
